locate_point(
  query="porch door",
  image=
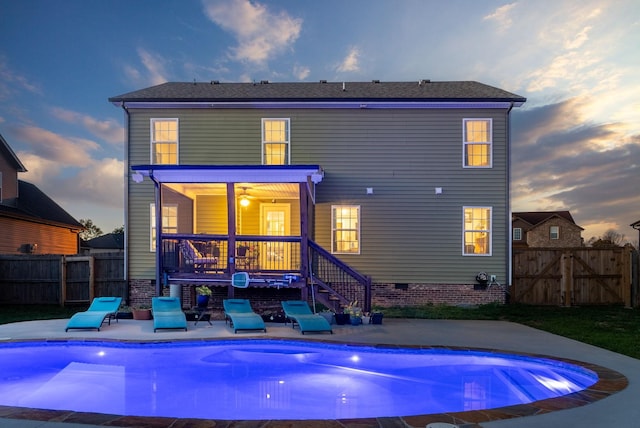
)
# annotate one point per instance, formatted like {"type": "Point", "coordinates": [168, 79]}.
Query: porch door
{"type": "Point", "coordinates": [275, 220]}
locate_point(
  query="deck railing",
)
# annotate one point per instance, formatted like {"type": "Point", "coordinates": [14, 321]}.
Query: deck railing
{"type": "Point", "coordinates": [343, 284]}
{"type": "Point", "coordinates": [185, 253]}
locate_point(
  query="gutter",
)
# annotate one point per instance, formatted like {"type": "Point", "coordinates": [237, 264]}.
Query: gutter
{"type": "Point", "coordinates": [127, 138]}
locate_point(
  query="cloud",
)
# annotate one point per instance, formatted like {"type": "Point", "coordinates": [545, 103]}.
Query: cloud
{"type": "Point", "coordinates": [502, 16]}
{"type": "Point", "coordinates": [11, 82]}
{"type": "Point", "coordinates": [154, 69]}
{"type": "Point", "coordinates": [562, 162]}
{"type": "Point", "coordinates": [66, 151]}
{"type": "Point", "coordinates": [261, 33]}
{"type": "Point", "coordinates": [301, 72]}
{"type": "Point", "coordinates": [351, 62]}
{"type": "Point", "coordinates": [108, 130]}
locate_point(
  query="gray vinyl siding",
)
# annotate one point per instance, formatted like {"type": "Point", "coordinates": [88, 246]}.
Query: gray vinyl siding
{"type": "Point", "coordinates": [408, 234]}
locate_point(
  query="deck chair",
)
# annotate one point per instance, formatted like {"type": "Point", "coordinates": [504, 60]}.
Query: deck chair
{"type": "Point", "coordinates": [193, 257]}
{"type": "Point", "coordinates": [299, 312]}
{"type": "Point", "coordinates": [240, 316]}
{"type": "Point", "coordinates": [167, 313]}
{"type": "Point", "coordinates": [101, 309]}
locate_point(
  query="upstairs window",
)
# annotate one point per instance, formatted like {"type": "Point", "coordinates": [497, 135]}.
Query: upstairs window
{"type": "Point", "coordinates": [517, 234]}
{"type": "Point", "coordinates": [554, 232]}
{"type": "Point", "coordinates": [169, 222]}
{"type": "Point", "coordinates": [345, 229]}
{"type": "Point", "coordinates": [275, 141]}
{"type": "Point", "coordinates": [477, 231]}
{"type": "Point", "coordinates": [477, 143]}
{"type": "Point", "coordinates": [164, 141]}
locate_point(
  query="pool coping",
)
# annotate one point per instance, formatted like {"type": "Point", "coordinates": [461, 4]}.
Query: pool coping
{"type": "Point", "coordinates": [609, 382]}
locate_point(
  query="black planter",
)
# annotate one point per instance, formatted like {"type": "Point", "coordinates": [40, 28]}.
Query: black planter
{"type": "Point", "coordinates": [202, 301]}
{"type": "Point", "coordinates": [343, 319]}
{"type": "Point", "coordinates": [376, 318]}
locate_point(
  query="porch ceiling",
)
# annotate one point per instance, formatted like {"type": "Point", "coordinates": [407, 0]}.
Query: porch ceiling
{"type": "Point", "coordinates": [229, 174]}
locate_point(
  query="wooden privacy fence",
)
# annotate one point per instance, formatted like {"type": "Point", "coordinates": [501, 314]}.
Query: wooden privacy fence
{"type": "Point", "coordinates": [573, 276]}
{"type": "Point", "coordinates": [58, 279]}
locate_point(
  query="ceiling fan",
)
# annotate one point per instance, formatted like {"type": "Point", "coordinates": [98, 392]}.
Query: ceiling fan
{"type": "Point", "coordinates": [244, 197]}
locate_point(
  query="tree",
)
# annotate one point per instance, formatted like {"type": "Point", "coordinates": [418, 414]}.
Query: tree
{"type": "Point", "coordinates": [610, 238]}
{"type": "Point", "coordinates": [91, 230]}
{"type": "Point", "coordinates": [118, 230]}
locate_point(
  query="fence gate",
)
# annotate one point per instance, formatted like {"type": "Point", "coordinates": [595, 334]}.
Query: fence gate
{"type": "Point", "coordinates": [572, 276]}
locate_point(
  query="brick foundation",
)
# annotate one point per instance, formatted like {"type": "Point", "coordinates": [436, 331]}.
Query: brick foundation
{"type": "Point", "coordinates": [383, 295]}
{"type": "Point", "coordinates": [387, 295]}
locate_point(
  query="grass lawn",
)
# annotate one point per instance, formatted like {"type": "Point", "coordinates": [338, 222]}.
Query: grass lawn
{"type": "Point", "coordinates": [610, 327]}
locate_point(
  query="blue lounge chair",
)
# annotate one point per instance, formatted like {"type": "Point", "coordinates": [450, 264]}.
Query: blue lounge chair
{"type": "Point", "coordinates": [240, 315]}
{"type": "Point", "coordinates": [101, 309]}
{"type": "Point", "coordinates": [167, 313]}
{"type": "Point", "coordinates": [299, 312]}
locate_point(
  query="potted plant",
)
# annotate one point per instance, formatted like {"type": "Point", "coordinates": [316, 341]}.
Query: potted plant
{"type": "Point", "coordinates": [124, 313]}
{"type": "Point", "coordinates": [328, 315]}
{"type": "Point", "coordinates": [141, 312]}
{"type": "Point", "coordinates": [376, 318]}
{"type": "Point", "coordinates": [355, 313]}
{"type": "Point", "coordinates": [204, 293]}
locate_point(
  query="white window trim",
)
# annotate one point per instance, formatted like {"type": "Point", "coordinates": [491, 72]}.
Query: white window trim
{"type": "Point", "coordinates": [333, 229]}
{"type": "Point", "coordinates": [519, 229]}
{"type": "Point", "coordinates": [288, 141]}
{"type": "Point", "coordinates": [152, 224]}
{"type": "Point", "coordinates": [551, 234]}
{"type": "Point", "coordinates": [465, 143]}
{"type": "Point", "coordinates": [152, 141]}
{"type": "Point", "coordinates": [489, 231]}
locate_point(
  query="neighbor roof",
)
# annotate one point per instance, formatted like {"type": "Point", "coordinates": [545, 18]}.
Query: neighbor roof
{"type": "Point", "coordinates": [10, 155]}
{"type": "Point", "coordinates": [33, 205]}
{"type": "Point", "coordinates": [423, 90]}
{"type": "Point", "coordinates": [110, 241]}
{"type": "Point", "coordinates": [537, 217]}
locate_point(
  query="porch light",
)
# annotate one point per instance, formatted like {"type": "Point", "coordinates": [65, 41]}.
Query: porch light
{"type": "Point", "coordinates": [244, 201]}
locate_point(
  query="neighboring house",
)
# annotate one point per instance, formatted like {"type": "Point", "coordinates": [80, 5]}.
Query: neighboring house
{"type": "Point", "coordinates": [109, 243]}
{"type": "Point", "coordinates": [383, 192]}
{"type": "Point", "coordinates": [545, 229]}
{"type": "Point", "coordinates": [30, 221]}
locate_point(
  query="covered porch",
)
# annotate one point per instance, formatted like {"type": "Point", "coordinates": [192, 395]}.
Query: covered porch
{"type": "Point", "coordinates": [209, 222]}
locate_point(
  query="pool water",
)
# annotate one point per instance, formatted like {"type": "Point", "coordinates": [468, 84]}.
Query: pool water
{"type": "Point", "coordinates": [273, 379]}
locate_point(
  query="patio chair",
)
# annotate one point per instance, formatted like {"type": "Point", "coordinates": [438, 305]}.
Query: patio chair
{"type": "Point", "coordinates": [167, 313]}
{"type": "Point", "coordinates": [194, 258]}
{"type": "Point", "coordinates": [240, 316]}
{"type": "Point", "coordinates": [299, 312]}
{"type": "Point", "coordinates": [101, 309]}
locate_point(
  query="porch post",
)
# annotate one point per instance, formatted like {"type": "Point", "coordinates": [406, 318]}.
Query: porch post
{"type": "Point", "coordinates": [231, 226]}
{"type": "Point", "coordinates": [304, 239]}
{"type": "Point", "coordinates": [158, 211]}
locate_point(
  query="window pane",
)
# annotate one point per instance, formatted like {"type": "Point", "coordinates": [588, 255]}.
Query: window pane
{"type": "Point", "coordinates": [477, 154]}
{"type": "Point", "coordinates": [346, 233]}
{"type": "Point", "coordinates": [477, 142]}
{"type": "Point", "coordinates": [164, 141]}
{"type": "Point", "coordinates": [477, 230]}
{"type": "Point", "coordinates": [275, 141]}
{"type": "Point", "coordinates": [477, 131]}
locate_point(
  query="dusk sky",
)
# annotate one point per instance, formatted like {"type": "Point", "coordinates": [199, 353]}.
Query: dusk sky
{"type": "Point", "coordinates": [575, 143]}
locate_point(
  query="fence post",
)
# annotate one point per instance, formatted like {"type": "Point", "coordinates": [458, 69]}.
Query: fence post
{"type": "Point", "coordinates": [63, 280]}
{"type": "Point", "coordinates": [566, 282]}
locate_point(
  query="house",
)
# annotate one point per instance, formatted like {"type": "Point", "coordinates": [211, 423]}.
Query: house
{"type": "Point", "coordinates": [382, 192]}
{"type": "Point", "coordinates": [108, 243]}
{"type": "Point", "coordinates": [31, 222]}
{"type": "Point", "coordinates": [545, 229]}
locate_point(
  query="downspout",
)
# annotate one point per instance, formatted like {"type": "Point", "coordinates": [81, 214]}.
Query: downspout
{"type": "Point", "coordinates": [158, 209]}
{"type": "Point", "coordinates": [126, 196]}
{"type": "Point", "coordinates": [509, 249]}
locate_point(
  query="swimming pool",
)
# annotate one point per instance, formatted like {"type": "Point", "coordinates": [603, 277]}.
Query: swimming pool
{"type": "Point", "coordinates": [273, 379]}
